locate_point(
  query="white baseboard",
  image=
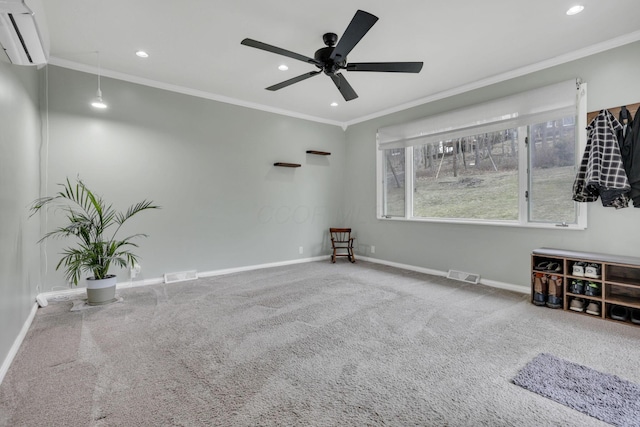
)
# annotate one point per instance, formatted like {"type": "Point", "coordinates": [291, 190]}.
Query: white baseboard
{"type": "Point", "coordinates": [486, 282]}
{"type": "Point", "coordinates": [4, 368]}
{"type": "Point", "coordinates": [68, 293]}
{"type": "Point", "coordinates": [138, 283]}
{"type": "Point", "coordinates": [506, 286]}
{"type": "Point", "coordinates": [62, 293]}
{"type": "Point", "coordinates": [213, 273]}
{"type": "Point", "coordinates": [260, 266]}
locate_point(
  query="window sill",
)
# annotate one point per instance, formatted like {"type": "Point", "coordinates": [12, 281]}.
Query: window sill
{"type": "Point", "coordinates": [548, 226]}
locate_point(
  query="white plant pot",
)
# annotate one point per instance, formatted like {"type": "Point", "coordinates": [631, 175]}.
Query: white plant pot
{"type": "Point", "coordinates": [102, 291]}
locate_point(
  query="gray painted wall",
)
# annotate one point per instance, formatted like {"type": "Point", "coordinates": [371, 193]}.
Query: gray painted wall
{"type": "Point", "coordinates": [208, 164]}
{"type": "Point", "coordinates": [19, 180]}
{"type": "Point", "coordinates": [497, 253]}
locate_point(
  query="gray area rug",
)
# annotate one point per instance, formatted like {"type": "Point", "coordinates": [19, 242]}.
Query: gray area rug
{"type": "Point", "coordinates": [606, 397]}
{"type": "Point", "coordinates": [316, 344]}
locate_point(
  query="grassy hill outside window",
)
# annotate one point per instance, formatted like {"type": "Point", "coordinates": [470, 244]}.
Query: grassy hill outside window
{"type": "Point", "coordinates": [511, 161]}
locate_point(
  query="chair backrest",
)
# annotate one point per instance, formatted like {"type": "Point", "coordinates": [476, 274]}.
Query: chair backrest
{"type": "Point", "coordinates": [340, 235]}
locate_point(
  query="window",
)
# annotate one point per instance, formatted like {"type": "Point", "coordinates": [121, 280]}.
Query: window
{"type": "Point", "coordinates": [552, 170]}
{"type": "Point", "coordinates": [394, 179]}
{"type": "Point", "coordinates": [475, 177]}
{"type": "Point", "coordinates": [511, 161]}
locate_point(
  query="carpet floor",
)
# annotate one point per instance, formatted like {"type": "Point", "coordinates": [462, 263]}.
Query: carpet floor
{"type": "Point", "coordinates": [315, 344]}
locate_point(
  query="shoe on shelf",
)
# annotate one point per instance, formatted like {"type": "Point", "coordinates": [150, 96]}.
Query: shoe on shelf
{"type": "Point", "coordinates": [592, 290]}
{"type": "Point", "coordinates": [577, 287]}
{"type": "Point", "coordinates": [578, 269]}
{"type": "Point", "coordinates": [593, 308]}
{"type": "Point", "coordinates": [542, 265]}
{"type": "Point", "coordinates": [554, 299]}
{"type": "Point", "coordinates": [553, 267]}
{"type": "Point", "coordinates": [577, 304]}
{"type": "Point", "coordinates": [619, 312]}
{"type": "Point", "coordinates": [540, 289]}
{"type": "Point", "coordinates": [635, 316]}
{"type": "Point", "coordinates": [593, 271]}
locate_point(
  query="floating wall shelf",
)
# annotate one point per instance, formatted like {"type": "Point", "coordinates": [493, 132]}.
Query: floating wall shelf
{"type": "Point", "coordinates": [319, 153]}
{"type": "Point", "coordinates": [287, 165]}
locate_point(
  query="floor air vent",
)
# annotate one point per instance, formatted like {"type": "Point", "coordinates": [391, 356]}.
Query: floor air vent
{"type": "Point", "coordinates": [180, 276]}
{"type": "Point", "coordinates": [463, 277]}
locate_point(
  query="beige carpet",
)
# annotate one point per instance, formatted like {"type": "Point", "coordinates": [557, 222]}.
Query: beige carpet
{"type": "Point", "coordinates": [316, 344]}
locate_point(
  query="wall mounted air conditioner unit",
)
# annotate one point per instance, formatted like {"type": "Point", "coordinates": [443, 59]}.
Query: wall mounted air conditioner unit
{"type": "Point", "coordinates": [23, 32]}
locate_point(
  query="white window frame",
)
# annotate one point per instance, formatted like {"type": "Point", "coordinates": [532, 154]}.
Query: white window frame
{"type": "Point", "coordinates": [523, 179]}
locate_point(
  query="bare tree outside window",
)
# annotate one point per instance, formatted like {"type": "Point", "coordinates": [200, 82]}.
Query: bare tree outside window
{"type": "Point", "coordinates": [394, 182]}
{"type": "Point", "coordinates": [475, 177]}
{"type": "Point", "coordinates": [552, 171]}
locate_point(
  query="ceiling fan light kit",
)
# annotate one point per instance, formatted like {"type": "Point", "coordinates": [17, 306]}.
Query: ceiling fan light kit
{"type": "Point", "coordinates": [333, 57]}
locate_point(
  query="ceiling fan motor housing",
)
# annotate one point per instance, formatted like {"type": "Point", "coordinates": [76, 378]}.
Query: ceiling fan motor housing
{"type": "Point", "coordinates": [329, 66]}
{"type": "Point", "coordinates": [323, 55]}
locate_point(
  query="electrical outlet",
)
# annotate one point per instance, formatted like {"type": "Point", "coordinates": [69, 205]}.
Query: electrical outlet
{"type": "Point", "coordinates": [373, 249]}
{"type": "Point", "coordinates": [300, 250]}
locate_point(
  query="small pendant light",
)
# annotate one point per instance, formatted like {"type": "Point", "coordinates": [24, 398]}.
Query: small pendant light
{"type": "Point", "coordinates": [97, 102]}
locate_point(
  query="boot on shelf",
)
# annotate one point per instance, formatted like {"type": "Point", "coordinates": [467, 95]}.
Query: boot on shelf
{"type": "Point", "coordinates": [554, 299]}
{"type": "Point", "coordinates": [539, 289]}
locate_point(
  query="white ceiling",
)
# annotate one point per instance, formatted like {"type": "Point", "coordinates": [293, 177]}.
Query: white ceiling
{"type": "Point", "coordinates": [194, 46]}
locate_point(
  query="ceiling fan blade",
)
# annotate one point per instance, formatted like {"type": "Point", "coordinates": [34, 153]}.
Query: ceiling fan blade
{"type": "Point", "coordinates": [389, 67]}
{"type": "Point", "coordinates": [293, 80]}
{"type": "Point", "coordinates": [359, 26]}
{"type": "Point", "coordinates": [344, 87]}
{"type": "Point", "coordinates": [279, 51]}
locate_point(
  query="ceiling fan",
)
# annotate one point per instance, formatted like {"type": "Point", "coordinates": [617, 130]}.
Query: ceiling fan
{"type": "Point", "coordinates": [333, 58]}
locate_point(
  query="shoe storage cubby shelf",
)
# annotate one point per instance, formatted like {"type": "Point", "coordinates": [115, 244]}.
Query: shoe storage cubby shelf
{"type": "Point", "coordinates": [592, 284]}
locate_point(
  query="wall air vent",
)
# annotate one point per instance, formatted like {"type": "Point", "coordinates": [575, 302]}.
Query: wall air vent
{"type": "Point", "coordinates": [181, 276]}
{"type": "Point", "coordinates": [23, 32]}
{"type": "Point", "coordinates": [463, 277]}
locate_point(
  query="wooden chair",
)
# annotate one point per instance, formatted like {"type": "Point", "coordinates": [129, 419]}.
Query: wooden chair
{"type": "Point", "coordinates": [342, 243]}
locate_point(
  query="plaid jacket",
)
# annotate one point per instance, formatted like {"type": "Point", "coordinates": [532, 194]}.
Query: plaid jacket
{"type": "Point", "coordinates": [601, 171]}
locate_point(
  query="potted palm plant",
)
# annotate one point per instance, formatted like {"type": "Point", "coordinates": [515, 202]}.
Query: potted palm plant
{"type": "Point", "coordinates": [95, 225]}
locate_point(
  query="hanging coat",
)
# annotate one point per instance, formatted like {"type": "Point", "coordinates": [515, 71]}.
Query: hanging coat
{"type": "Point", "coordinates": [631, 159]}
{"type": "Point", "coordinates": [601, 172]}
{"type": "Point", "coordinates": [625, 138]}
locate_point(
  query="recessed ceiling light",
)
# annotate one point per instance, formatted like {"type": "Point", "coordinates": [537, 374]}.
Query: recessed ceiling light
{"type": "Point", "coordinates": [575, 10]}
{"type": "Point", "coordinates": [334, 104]}
{"type": "Point", "coordinates": [142, 54]}
{"type": "Point", "coordinates": [283, 67]}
